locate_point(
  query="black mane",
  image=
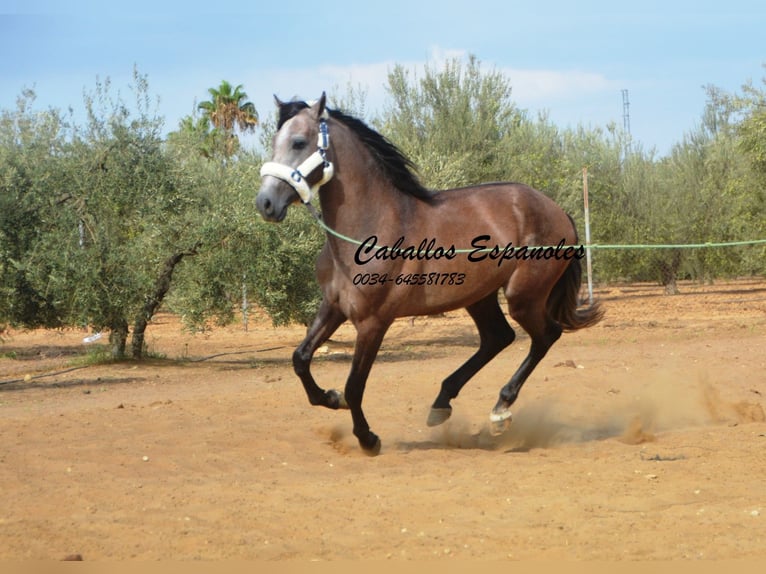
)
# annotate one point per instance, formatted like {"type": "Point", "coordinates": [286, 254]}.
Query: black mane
{"type": "Point", "coordinates": [289, 109]}
{"type": "Point", "coordinates": [396, 167]}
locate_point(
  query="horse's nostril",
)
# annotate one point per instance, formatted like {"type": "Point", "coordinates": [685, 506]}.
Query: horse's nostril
{"type": "Point", "coordinates": [264, 205]}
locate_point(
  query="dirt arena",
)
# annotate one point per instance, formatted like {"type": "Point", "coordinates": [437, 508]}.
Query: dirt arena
{"type": "Point", "coordinates": [642, 438]}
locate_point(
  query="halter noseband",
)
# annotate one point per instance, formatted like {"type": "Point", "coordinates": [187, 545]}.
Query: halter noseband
{"type": "Point", "coordinates": [296, 177]}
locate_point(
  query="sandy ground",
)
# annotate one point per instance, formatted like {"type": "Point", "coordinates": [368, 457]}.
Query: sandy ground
{"type": "Point", "coordinates": [641, 438]}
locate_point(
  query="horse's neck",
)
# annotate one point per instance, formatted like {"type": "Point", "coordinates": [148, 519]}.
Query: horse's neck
{"type": "Point", "coordinates": [358, 202]}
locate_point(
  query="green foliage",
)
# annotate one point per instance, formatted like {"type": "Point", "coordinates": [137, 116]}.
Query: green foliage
{"type": "Point", "coordinates": [95, 355]}
{"type": "Point", "coordinates": [753, 134]}
{"type": "Point", "coordinates": [93, 215]}
{"type": "Point", "coordinates": [31, 145]}
{"type": "Point", "coordinates": [752, 143]}
{"type": "Point", "coordinates": [461, 127]}
{"type": "Point", "coordinates": [285, 268]}
{"type": "Point", "coordinates": [451, 122]}
{"type": "Point", "coordinates": [275, 263]}
{"type": "Point", "coordinates": [197, 135]}
{"type": "Point", "coordinates": [126, 210]}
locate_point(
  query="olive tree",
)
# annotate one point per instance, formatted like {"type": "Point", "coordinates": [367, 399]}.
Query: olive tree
{"type": "Point", "coordinates": [451, 121]}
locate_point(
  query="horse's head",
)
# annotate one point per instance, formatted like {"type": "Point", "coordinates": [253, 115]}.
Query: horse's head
{"type": "Point", "coordinates": [298, 168]}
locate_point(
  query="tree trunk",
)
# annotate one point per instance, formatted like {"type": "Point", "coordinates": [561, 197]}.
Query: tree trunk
{"type": "Point", "coordinates": [669, 272]}
{"type": "Point", "coordinates": [245, 304]}
{"type": "Point", "coordinates": [154, 300]}
{"type": "Point", "coordinates": [118, 338]}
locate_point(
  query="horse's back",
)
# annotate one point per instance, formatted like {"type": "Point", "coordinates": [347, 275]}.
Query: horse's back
{"type": "Point", "coordinates": [508, 211]}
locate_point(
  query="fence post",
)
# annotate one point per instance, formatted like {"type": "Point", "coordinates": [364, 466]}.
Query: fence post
{"type": "Point", "coordinates": [587, 234]}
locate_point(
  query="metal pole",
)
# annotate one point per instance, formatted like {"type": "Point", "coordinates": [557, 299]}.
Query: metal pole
{"type": "Point", "coordinates": [587, 234]}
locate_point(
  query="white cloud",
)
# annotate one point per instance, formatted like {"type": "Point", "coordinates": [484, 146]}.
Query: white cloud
{"type": "Point", "coordinates": [538, 87]}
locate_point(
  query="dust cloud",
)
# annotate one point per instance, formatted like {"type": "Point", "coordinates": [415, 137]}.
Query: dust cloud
{"type": "Point", "coordinates": [636, 416]}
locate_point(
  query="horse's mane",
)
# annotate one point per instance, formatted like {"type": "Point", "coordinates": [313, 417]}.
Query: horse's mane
{"type": "Point", "coordinates": [396, 167]}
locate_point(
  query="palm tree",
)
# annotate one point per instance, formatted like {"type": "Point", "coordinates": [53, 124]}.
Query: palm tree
{"type": "Point", "coordinates": [228, 110]}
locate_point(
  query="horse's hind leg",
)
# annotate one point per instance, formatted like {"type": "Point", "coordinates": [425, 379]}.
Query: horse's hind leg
{"type": "Point", "coordinates": [327, 321]}
{"type": "Point", "coordinates": [543, 331]}
{"type": "Point", "coordinates": [495, 335]}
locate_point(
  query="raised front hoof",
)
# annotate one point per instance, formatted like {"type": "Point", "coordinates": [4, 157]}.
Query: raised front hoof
{"type": "Point", "coordinates": [499, 421]}
{"type": "Point", "coordinates": [438, 416]}
{"type": "Point", "coordinates": [370, 445]}
{"type": "Point", "coordinates": [335, 400]}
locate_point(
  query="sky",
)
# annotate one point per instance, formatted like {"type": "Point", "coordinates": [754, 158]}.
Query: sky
{"type": "Point", "coordinates": [569, 59]}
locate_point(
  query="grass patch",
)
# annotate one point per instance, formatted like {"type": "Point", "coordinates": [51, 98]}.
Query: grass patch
{"type": "Point", "coordinates": [95, 355]}
{"type": "Point", "coordinates": [154, 355]}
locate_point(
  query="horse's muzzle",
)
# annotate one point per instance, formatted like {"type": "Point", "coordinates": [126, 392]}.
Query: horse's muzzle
{"type": "Point", "coordinates": [272, 201]}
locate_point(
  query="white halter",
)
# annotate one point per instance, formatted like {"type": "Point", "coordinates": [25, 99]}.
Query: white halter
{"type": "Point", "coordinates": [296, 177]}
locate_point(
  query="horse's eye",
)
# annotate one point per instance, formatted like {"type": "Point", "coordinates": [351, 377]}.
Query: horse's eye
{"type": "Point", "coordinates": [299, 144]}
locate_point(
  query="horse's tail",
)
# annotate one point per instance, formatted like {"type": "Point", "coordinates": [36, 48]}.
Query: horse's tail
{"type": "Point", "coordinates": [564, 301]}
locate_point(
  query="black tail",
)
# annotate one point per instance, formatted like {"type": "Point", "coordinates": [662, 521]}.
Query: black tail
{"type": "Point", "coordinates": [564, 302]}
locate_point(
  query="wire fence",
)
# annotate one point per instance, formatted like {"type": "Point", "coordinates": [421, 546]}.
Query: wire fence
{"type": "Point", "coordinates": [668, 263]}
{"type": "Point", "coordinates": [707, 244]}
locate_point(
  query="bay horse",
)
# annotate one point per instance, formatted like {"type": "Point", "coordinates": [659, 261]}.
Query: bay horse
{"type": "Point", "coordinates": [397, 249]}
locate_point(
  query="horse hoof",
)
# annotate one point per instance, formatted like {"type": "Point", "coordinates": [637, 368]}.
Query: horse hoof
{"type": "Point", "coordinates": [499, 422]}
{"type": "Point", "coordinates": [438, 415]}
{"type": "Point", "coordinates": [374, 448]}
{"type": "Point", "coordinates": [336, 399]}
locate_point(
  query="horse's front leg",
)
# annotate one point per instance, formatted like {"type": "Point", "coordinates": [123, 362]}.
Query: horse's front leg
{"type": "Point", "coordinates": [369, 337]}
{"type": "Point", "coordinates": [327, 321]}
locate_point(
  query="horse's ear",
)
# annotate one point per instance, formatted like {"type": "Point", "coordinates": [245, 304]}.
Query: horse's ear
{"type": "Point", "coordinates": [320, 105]}
{"type": "Point", "coordinates": [278, 102]}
